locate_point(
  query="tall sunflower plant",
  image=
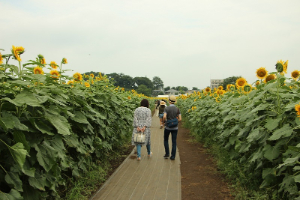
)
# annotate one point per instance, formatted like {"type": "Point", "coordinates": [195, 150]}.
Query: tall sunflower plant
{"type": "Point", "coordinates": [50, 130]}
{"type": "Point", "coordinates": [258, 129]}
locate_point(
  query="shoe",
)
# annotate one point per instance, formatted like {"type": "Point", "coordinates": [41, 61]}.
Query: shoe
{"type": "Point", "coordinates": [138, 159]}
{"type": "Point", "coordinates": [172, 158]}
{"type": "Point", "coordinates": [166, 156]}
{"type": "Point", "coordinates": [150, 155]}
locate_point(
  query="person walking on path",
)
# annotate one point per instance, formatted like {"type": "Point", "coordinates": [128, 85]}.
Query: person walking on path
{"type": "Point", "coordinates": [161, 111]}
{"type": "Point", "coordinates": [142, 123]}
{"type": "Point", "coordinates": [171, 112]}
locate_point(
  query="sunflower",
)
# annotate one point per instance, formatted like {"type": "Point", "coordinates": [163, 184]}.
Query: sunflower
{"type": "Point", "coordinates": [240, 82]}
{"type": "Point", "coordinates": [285, 65]}
{"type": "Point", "coordinates": [218, 99]}
{"type": "Point", "coordinates": [247, 88]}
{"type": "Point", "coordinates": [92, 75]}
{"type": "Point", "coordinates": [269, 78]}
{"type": "Point", "coordinates": [215, 95]}
{"type": "Point", "coordinates": [87, 84]}
{"type": "Point", "coordinates": [279, 66]}
{"type": "Point", "coordinates": [221, 92]}
{"type": "Point", "coordinates": [295, 74]}
{"type": "Point", "coordinates": [77, 76]}
{"type": "Point", "coordinates": [17, 51]}
{"type": "Point", "coordinates": [1, 59]}
{"type": "Point", "coordinates": [64, 61]}
{"type": "Point", "coordinates": [129, 97]}
{"type": "Point", "coordinates": [71, 82]}
{"type": "Point", "coordinates": [38, 70]}
{"type": "Point", "coordinates": [207, 89]}
{"type": "Point", "coordinates": [261, 73]}
{"type": "Point", "coordinates": [220, 87]}
{"type": "Point", "coordinates": [228, 86]}
{"type": "Point", "coordinates": [55, 74]}
{"type": "Point", "coordinates": [257, 82]}
{"type": "Point", "coordinates": [297, 108]}
{"type": "Point", "coordinates": [43, 61]}
{"type": "Point", "coordinates": [53, 65]}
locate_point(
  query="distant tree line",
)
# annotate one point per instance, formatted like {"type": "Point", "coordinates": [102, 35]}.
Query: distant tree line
{"type": "Point", "coordinates": [142, 85]}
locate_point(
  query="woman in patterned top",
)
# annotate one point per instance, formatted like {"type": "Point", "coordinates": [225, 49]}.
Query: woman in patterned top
{"type": "Point", "coordinates": [141, 123]}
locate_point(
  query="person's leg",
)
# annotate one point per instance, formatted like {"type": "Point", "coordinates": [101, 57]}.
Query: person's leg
{"type": "Point", "coordinates": [166, 142]}
{"type": "Point", "coordinates": [138, 149]}
{"type": "Point", "coordinates": [174, 139]}
{"type": "Point", "coordinates": [148, 149]}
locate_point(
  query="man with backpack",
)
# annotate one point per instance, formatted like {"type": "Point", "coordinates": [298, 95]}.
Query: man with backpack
{"type": "Point", "coordinates": [171, 118]}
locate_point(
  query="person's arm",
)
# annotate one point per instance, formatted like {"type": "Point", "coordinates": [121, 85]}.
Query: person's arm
{"type": "Point", "coordinates": [179, 117]}
{"type": "Point", "coordinates": [165, 117]}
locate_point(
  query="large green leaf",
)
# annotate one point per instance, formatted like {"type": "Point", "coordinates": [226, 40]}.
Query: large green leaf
{"type": "Point", "coordinates": [10, 121]}
{"type": "Point", "coordinates": [271, 152]}
{"type": "Point", "coordinates": [43, 127]}
{"type": "Point", "coordinates": [28, 98]}
{"type": "Point", "coordinates": [271, 124]}
{"type": "Point", "coordinates": [289, 161]}
{"type": "Point", "coordinates": [268, 171]}
{"type": "Point", "coordinates": [285, 131]}
{"type": "Point", "coordinates": [19, 136]}
{"type": "Point", "coordinates": [14, 179]}
{"type": "Point", "coordinates": [12, 195]}
{"type": "Point", "coordinates": [80, 117]}
{"type": "Point", "coordinates": [60, 123]}
{"type": "Point", "coordinates": [38, 181]}
{"type": "Point", "coordinates": [45, 155]}
{"type": "Point", "coordinates": [254, 135]}
{"type": "Point", "coordinates": [18, 153]}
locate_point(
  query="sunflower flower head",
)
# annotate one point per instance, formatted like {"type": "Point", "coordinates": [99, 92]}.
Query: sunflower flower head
{"type": "Point", "coordinates": [53, 65]}
{"type": "Point", "coordinates": [1, 59]}
{"type": "Point", "coordinates": [77, 76]}
{"type": "Point", "coordinates": [38, 70]}
{"type": "Point", "coordinates": [257, 82]}
{"type": "Point", "coordinates": [295, 75]}
{"type": "Point", "coordinates": [17, 51]}
{"type": "Point", "coordinates": [70, 82]}
{"type": "Point", "coordinates": [269, 78]}
{"type": "Point", "coordinates": [129, 97]}
{"type": "Point", "coordinates": [297, 108]}
{"type": "Point", "coordinates": [261, 73]}
{"type": "Point", "coordinates": [54, 74]}
{"type": "Point", "coordinates": [285, 65]}
{"type": "Point", "coordinates": [220, 87]}
{"type": "Point", "coordinates": [240, 82]}
{"type": "Point", "coordinates": [247, 88]}
{"type": "Point", "coordinates": [64, 61]}
{"type": "Point", "coordinates": [41, 59]}
{"type": "Point", "coordinates": [92, 75]}
{"type": "Point", "coordinates": [207, 90]}
{"type": "Point", "coordinates": [87, 84]}
{"type": "Point", "coordinates": [279, 66]}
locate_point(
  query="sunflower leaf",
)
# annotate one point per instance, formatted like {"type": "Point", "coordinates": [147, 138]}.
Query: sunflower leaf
{"type": "Point", "coordinates": [285, 131]}
{"type": "Point", "coordinates": [271, 124]}
{"type": "Point", "coordinates": [14, 179]}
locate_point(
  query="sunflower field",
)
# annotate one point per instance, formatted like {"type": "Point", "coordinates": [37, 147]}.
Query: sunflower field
{"type": "Point", "coordinates": [258, 127]}
{"type": "Point", "coordinates": [54, 126]}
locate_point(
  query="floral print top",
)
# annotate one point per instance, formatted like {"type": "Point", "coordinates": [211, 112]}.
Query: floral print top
{"type": "Point", "coordinates": [142, 117]}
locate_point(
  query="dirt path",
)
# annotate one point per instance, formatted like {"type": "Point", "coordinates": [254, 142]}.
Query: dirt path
{"type": "Point", "coordinates": [199, 176]}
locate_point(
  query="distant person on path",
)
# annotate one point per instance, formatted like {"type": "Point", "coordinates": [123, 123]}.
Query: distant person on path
{"type": "Point", "coordinates": [158, 103]}
{"type": "Point", "coordinates": [161, 111]}
{"type": "Point", "coordinates": [171, 112]}
{"type": "Point", "coordinates": [142, 123]}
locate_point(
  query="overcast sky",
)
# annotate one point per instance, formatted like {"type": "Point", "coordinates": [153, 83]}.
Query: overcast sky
{"type": "Point", "coordinates": [184, 42]}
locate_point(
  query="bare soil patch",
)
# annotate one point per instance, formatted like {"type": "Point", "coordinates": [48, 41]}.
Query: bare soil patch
{"type": "Point", "coordinates": [200, 178]}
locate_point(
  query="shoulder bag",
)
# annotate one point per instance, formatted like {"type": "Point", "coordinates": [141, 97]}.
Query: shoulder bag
{"type": "Point", "coordinates": [139, 137]}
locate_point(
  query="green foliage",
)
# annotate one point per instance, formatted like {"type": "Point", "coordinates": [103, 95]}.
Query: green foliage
{"type": "Point", "coordinates": [256, 133]}
{"type": "Point", "coordinates": [49, 130]}
{"type": "Point", "coordinates": [229, 80]}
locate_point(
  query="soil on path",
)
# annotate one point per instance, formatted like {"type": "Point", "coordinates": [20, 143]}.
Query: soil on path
{"type": "Point", "coordinates": [200, 178]}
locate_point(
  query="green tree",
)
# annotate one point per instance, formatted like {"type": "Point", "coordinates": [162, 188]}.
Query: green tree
{"type": "Point", "coordinates": [157, 83]}
{"type": "Point", "coordinates": [181, 88]}
{"type": "Point", "coordinates": [195, 88]}
{"type": "Point", "coordinates": [143, 89]}
{"type": "Point", "coordinates": [229, 80]}
{"type": "Point", "coordinates": [143, 81]}
{"type": "Point", "coordinates": [121, 80]}
{"type": "Point", "coordinates": [167, 88]}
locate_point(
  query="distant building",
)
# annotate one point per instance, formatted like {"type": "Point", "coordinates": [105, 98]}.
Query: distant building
{"type": "Point", "coordinates": [171, 92]}
{"type": "Point", "coordinates": [215, 83]}
{"type": "Point", "coordinates": [191, 91]}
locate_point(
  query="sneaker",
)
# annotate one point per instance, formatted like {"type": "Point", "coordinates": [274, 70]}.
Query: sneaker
{"type": "Point", "coordinates": [138, 159]}
{"type": "Point", "coordinates": [172, 158]}
{"type": "Point", "coordinates": [150, 155]}
{"type": "Point", "coordinates": [166, 156]}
